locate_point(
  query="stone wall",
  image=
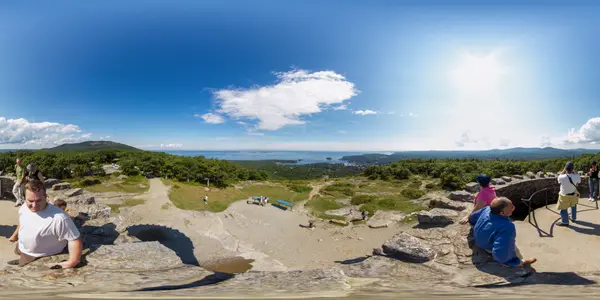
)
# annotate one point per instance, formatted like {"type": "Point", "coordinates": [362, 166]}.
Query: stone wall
{"type": "Point", "coordinates": [517, 189]}
{"type": "Point", "coordinates": [6, 185]}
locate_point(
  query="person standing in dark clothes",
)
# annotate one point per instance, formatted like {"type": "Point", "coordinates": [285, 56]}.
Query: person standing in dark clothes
{"type": "Point", "coordinates": [593, 173]}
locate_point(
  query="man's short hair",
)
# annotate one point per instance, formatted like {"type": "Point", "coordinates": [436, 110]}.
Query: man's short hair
{"type": "Point", "coordinates": [36, 186]}
{"type": "Point", "coordinates": [499, 204]}
{"type": "Point", "coordinates": [60, 203]}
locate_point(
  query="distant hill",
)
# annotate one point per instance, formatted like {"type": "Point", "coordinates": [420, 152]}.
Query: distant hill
{"type": "Point", "coordinates": [504, 154]}
{"type": "Point", "coordinates": [91, 146]}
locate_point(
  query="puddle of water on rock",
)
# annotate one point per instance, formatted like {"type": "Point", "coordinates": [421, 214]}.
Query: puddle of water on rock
{"type": "Point", "coordinates": [234, 265]}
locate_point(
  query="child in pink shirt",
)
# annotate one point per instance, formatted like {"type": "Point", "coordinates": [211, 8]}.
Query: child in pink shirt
{"type": "Point", "coordinates": [486, 194]}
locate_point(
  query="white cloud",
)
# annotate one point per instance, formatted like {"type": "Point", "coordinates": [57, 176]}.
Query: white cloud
{"type": "Point", "coordinates": [341, 107]}
{"type": "Point", "coordinates": [391, 113]}
{"type": "Point", "coordinates": [465, 139]}
{"type": "Point", "coordinates": [102, 138]}
{"type": "Point", "coordinates": [255, 133]}
{"type": "Point", "coordinates": [364, 112]}
{"type": "Point", "coordinates": [171, 145]}
{"type": "Point", "coordinates": [23, 132]}
{"type": "Point", "coordinates": [504, 142]}
{"type": "Point", "coordinates": [211, 118]}
{"type": "Point", "coordinates": [342, 131]}
{"type": "Point", "coordinates": [297, 93]}
{"type": "Point", "coordinates": [588, 133]}
{"type": "Point", "coordinates": [242, 123]}
{"type": "Point", "coordinates": [412, 115]}
{"type": "Point", "coordinates": [546, 141]}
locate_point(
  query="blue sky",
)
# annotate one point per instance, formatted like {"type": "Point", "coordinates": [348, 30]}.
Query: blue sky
{"type": "Point", "coordinates": [305, 75]}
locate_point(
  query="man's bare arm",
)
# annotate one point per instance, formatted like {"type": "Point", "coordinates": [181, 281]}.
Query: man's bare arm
{"type": "Point", "coordinates": [75, 249]}
{"type": "Point", "coordinates": [15, 236]}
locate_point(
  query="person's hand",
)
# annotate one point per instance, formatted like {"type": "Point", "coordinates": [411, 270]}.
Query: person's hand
{"type": "Point", "coordinates": [13, 239]}
{"type": "Point", "coordinates": [527, 262]}
{"type": "Point", "coordinates": [65, 265]}
{"type": "Point", "coordinates": [464, 220]}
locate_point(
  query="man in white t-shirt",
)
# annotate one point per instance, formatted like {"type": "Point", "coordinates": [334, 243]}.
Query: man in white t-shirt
{"type": "Point", "coordinates": [44, 230]}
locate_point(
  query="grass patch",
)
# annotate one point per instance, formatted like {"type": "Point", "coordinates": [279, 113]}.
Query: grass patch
{"type": "Point", "coordinates": [318, 205]}
{"type": "Point", "coordinates": [116, 208]}
{"type": "Point", "coordinates": [340, 189]}
{"type": "Point", "coordinates": [412, 193]}
{"type": "Point", "coordinates": [191, 196]}
{"type": "Point", "coordinates": [362, 199]}
{"type": "Point", "coordinates": [112, 184]}
{"type": "Point", "coordinates": [300, 188]}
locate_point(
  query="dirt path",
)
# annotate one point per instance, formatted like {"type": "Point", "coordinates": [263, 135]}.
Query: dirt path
{"type": "Point", "coordinates": [316, 189]}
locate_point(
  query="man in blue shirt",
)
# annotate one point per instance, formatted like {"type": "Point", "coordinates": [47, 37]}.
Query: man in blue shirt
{"type": "Point", "coordinates": [495, 233]}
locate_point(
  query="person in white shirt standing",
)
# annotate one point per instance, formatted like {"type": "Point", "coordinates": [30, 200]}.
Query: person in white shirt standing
{"type": "Point", "coordinates": [44, 230]}
{"type": "Point", "coordinates": [568, 195]}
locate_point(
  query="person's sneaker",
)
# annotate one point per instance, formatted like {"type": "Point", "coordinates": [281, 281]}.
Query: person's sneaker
{"type": "Point", "coordinates": [559, 223]}
{"type": "Point", "coordinates": [591, 199]}
{"type": "Point", "coordinates": [14, 262]}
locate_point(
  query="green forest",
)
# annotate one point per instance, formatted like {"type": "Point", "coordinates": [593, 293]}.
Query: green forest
{"type": "Point", "coordinates": [65, 165]}
{"type": "Point", "coordinates": [453, 173]}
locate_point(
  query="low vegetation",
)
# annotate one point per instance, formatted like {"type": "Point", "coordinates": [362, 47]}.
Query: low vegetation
{"type": "Point", "coordinates": [132, 184]}
{"type": "Point", "coordinates": [319, 204]}
{"type": "Point", "coordinates": [190, 196]}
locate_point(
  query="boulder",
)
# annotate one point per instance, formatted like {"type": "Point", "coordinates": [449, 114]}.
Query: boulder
{"type": "Point", "coordinates": [89, 201]}
{"type": "Point", "coordinates": [141, 186]}
{"type": "Point", "coordinates": [530, 175]}
{"type": "Point", "coordinates": [472, 187]}
{"type": "Point", "coordinates": [518, 176]}
{"type": "Point", "coordinates": [408, 248]}
{"type": "Point", "coordinates": [437, 216]}
{"type": "Point", "coordinates": [120, 267]}
{"type": "Point", "coordinates": [61, 186]}
{"type": "Point", "coordinates": [498, 181]}
{"type": "Point", "coordinates": [383, 219]}
{"type": "Point", "coordinates": [540, 175]}
{"type": "Point", "coordinates": [50, 182]}
{"type": "Point", "coordinates": [6, 186]}
{"type": "Point", "coordinates": [580, 173]}
{"type": "Point", "coordinates": [506, 178]}
{"type": "Point", "coordinates": [448, 204]}
{"type": "Point", "coordinates": [351, 213]}
{"type": "Point", "coordinates": [122, 176]}
{"type": "Point", "coordinates": [74, 192]}
{"type": "Point", "coordinates": [338, 222]}
{"type": "Point", "coordinates": [461, 196]}
{"type": "Point", "coordinates": [550, 174]}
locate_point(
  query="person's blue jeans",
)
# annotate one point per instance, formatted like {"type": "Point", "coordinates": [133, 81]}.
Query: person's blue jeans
{"type": "Point", "coordinates": [593, 187]}
{"type": "Point", "coordinates": [564, 215]}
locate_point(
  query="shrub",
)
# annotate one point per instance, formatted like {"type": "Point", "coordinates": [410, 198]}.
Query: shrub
{"type": "Point", "coordinates": [387, 203]}
{"type": "Point", "coordinates": [344, 188]}
{"type": "Point", "coordinates": [415, 184]}
{"type": "Point", "coordinates": [362, 199]}
{"type": "Point", "coordinates": [300, 188]}
{"type": "Point", "coordinates": [430, 186]}
{"type": "Point", "coordinates": [370, 207]}
{"type": "Point", "coordinates": [412, 193]}
{"type": "Point", "coordinates": [90, 182]}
